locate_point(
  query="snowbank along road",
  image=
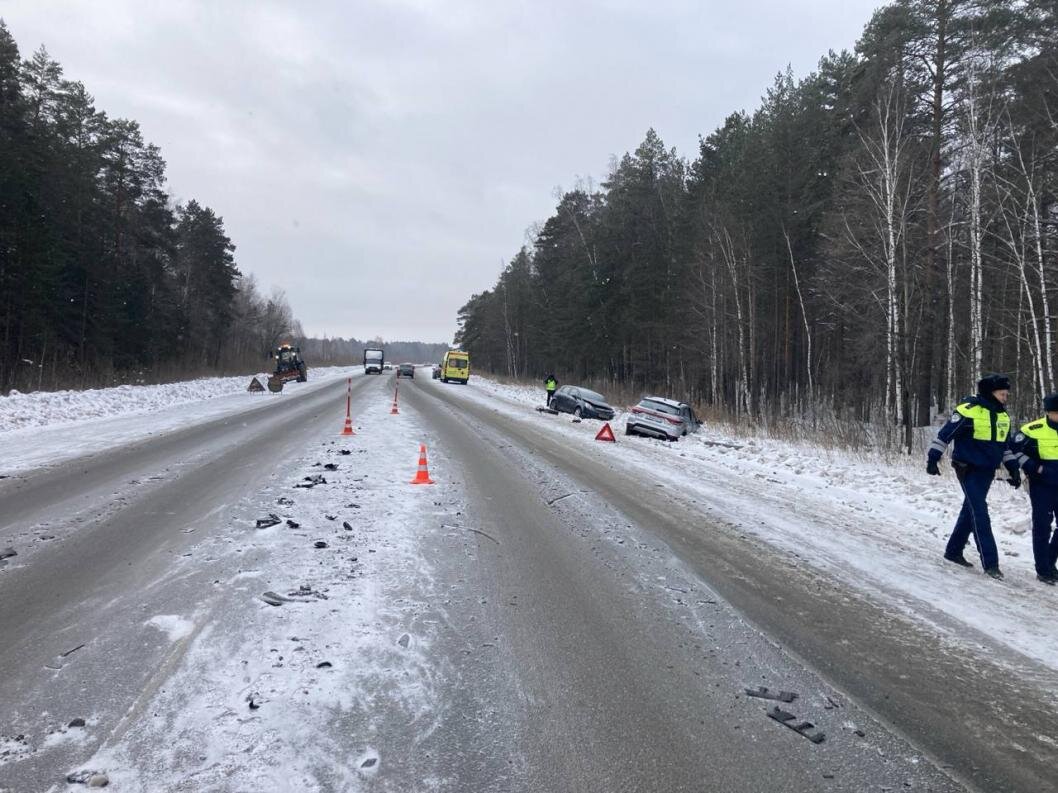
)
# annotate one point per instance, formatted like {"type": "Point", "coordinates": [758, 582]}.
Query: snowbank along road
{"type": "Point", "coordinates": [247, 601]}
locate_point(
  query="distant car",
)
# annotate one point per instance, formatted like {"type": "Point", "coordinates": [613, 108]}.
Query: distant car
{"type": "Point", "coordinates": [406, 370]}
{"type": "Point", "coordinates": [582, 403]}
{"type": "Point", "coordinates": [436, 372]}
{"type": "Point", "coordinates": [661, 418]}
{"type": "Point", "coordinates": [387, 366]}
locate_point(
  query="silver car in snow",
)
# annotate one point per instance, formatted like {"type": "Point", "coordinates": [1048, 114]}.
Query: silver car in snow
{"type": "Point", "coordinates": [661, 418]}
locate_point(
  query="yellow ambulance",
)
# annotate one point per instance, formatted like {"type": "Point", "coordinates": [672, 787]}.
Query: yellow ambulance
{"type": "Point", "coordinates": [455, 367]}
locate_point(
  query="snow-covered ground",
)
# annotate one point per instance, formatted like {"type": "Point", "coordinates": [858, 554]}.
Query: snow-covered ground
{"type": "Point", "coordinates": [290, 697]}
{"type": "Point", "coordinates": [878, 525]}
{"type": "Point", "coordinates": [46, 427]}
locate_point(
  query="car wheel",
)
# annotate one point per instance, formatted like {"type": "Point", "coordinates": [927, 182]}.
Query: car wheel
{"type": "Point", "coordinates": [577, 412]}
{"type": "Point", "coordinates": [628, 430]}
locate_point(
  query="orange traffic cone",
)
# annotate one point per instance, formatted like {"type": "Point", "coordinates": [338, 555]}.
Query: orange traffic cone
{"type": "Point", "coordinates": [393, 410]}
{"type": "Point", "coordinates": [348, 428]}
{"type": "Point", "coordinates": [422, 476]}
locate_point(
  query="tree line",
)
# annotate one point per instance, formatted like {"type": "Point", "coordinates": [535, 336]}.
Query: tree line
{"type": "Point", "coordinates": [866, 243]}
{"type": "Point", "coordinates": [103, 278]}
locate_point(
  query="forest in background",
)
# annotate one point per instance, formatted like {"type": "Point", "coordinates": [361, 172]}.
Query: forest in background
{"type": "Point", "coordinates": [104, 279]}
{"type": "Point", "coordinates": [861, 247]}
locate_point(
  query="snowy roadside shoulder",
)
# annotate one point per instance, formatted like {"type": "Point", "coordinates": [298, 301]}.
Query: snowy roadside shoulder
{"type": "Point", "coordinates": [61, 425]}
{"type": "Point", "coordinates": [878, 526]}
{"type": "Point", "coordinates": [49, 408]}
{"type": "Point", "coordinates": [313, 642]}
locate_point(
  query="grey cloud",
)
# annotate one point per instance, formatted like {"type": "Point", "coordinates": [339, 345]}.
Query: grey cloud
{"type": "Point", "coordinates": [380, 160]}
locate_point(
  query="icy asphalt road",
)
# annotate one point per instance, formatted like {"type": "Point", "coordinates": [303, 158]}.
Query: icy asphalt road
{"type": "Point", "coordinates": [978, 716]}
{"type": "Point", "coordinates": [99, 540]}
{"type": "Point", "coordinates": [569, 630]}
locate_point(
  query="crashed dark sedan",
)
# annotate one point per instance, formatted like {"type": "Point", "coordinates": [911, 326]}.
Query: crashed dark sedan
{"type": "Point", "coordinates": [582, 403]}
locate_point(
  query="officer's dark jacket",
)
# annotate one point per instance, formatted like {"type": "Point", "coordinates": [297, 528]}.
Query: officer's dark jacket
{"type": "Point", "coordinates": [1036, 446]}
{"type": "Point", "coordinates": [979, 427]}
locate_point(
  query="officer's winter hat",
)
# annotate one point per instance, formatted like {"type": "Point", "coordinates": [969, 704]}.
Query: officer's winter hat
{"type": "Point", "coordinates": [1050, 403]}
{"type": "Point", "coordinates": [993, 382]}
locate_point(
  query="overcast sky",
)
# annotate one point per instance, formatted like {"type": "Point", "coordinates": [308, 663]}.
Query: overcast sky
{"type": "Point", "coordinates": [380, 161]}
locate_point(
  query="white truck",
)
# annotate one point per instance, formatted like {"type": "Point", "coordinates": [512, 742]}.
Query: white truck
{"type": "Point", "coordinates": [374, 360]}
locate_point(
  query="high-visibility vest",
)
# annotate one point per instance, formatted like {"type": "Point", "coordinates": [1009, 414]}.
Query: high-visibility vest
{"type": "Point", "coordinates": [984, 430]}
{"type": "Point", "coordinates": [551, 385]}
{"type": "Point", "coordinates": [1046, 438]}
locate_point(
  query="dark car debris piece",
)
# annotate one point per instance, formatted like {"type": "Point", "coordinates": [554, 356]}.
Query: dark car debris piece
{"type": "Point", "coordinates": [284, 501]}
{"type": "Point", "coordinates": [331, 466]}
{"type": "Point", "coordinates": [312, 481]}
{"type": "Point", "coordinates": [763, 692]}
{"type": "Point", "coordinates": [8, 552]}
{"type": "Point", "coordinates": [805, 728]}
{"type": "Point", "coordinates": [319, 544]}
{"type": "Point", "coordinates": [272, 599]}
{"type": "Point", "coordinates": [271, 520]}
{"type": "Point", "coordinates": [293, 524]}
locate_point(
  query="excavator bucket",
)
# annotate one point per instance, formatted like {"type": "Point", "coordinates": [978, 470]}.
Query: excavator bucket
{"type": "Point", "coordinates": [275, 384]}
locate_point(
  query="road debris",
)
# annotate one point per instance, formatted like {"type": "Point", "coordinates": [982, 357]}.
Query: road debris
{"type": "Point", "coordinates": [305, 591]}
{"type": "Point", "coordinates": [805, 728]}
{"type": "Point", "coordinates": [293, 524]}
{"type": "Point", "coordinates": [271, 520]}
{"type": "Point", "coordinates": [319, 544]}
{"type": "Point", "coordinates": [8, 552]}
{"type": "Point", "coordinates": [331, 466]}
{"type": "Point", "coordinates": [763, 692]}
{"type": "Point", "coordinates": [272, 599]}
{"type": "Point", "coordinates": [89, 778]}
{"type": "Point", "coordinates": [483, 534]}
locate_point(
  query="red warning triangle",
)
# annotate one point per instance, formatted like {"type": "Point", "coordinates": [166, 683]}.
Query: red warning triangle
{"type": "Point", "coordinates": [606, 434]}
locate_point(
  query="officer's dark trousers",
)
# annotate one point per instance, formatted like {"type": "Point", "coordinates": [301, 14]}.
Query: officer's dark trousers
{"type": "Point", "coordinates": [550, 395]}
{"type": "Point", "coordinates": [973, 519]}
{"type": "Point", "coordinates": [1044, 500]}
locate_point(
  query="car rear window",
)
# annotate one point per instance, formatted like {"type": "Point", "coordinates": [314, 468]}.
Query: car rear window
{"type": "Point", "coordinates": [457, 363]}
{"type": "Point", "coordinates": [659, 407]}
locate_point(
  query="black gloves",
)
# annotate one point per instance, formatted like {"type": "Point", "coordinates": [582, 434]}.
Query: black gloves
{"type": "Point", "coordinates": [931, 467]}
{"type": "Point", "coordinates": [1015, 479]}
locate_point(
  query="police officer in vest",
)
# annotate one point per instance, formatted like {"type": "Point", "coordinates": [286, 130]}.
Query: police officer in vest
{"type": "Point", "coordinates": [979, 428]}
{"type": "Point", "coordinates": [550, 384]}
{"type": "Point", "coordinates": [1036, 445]}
